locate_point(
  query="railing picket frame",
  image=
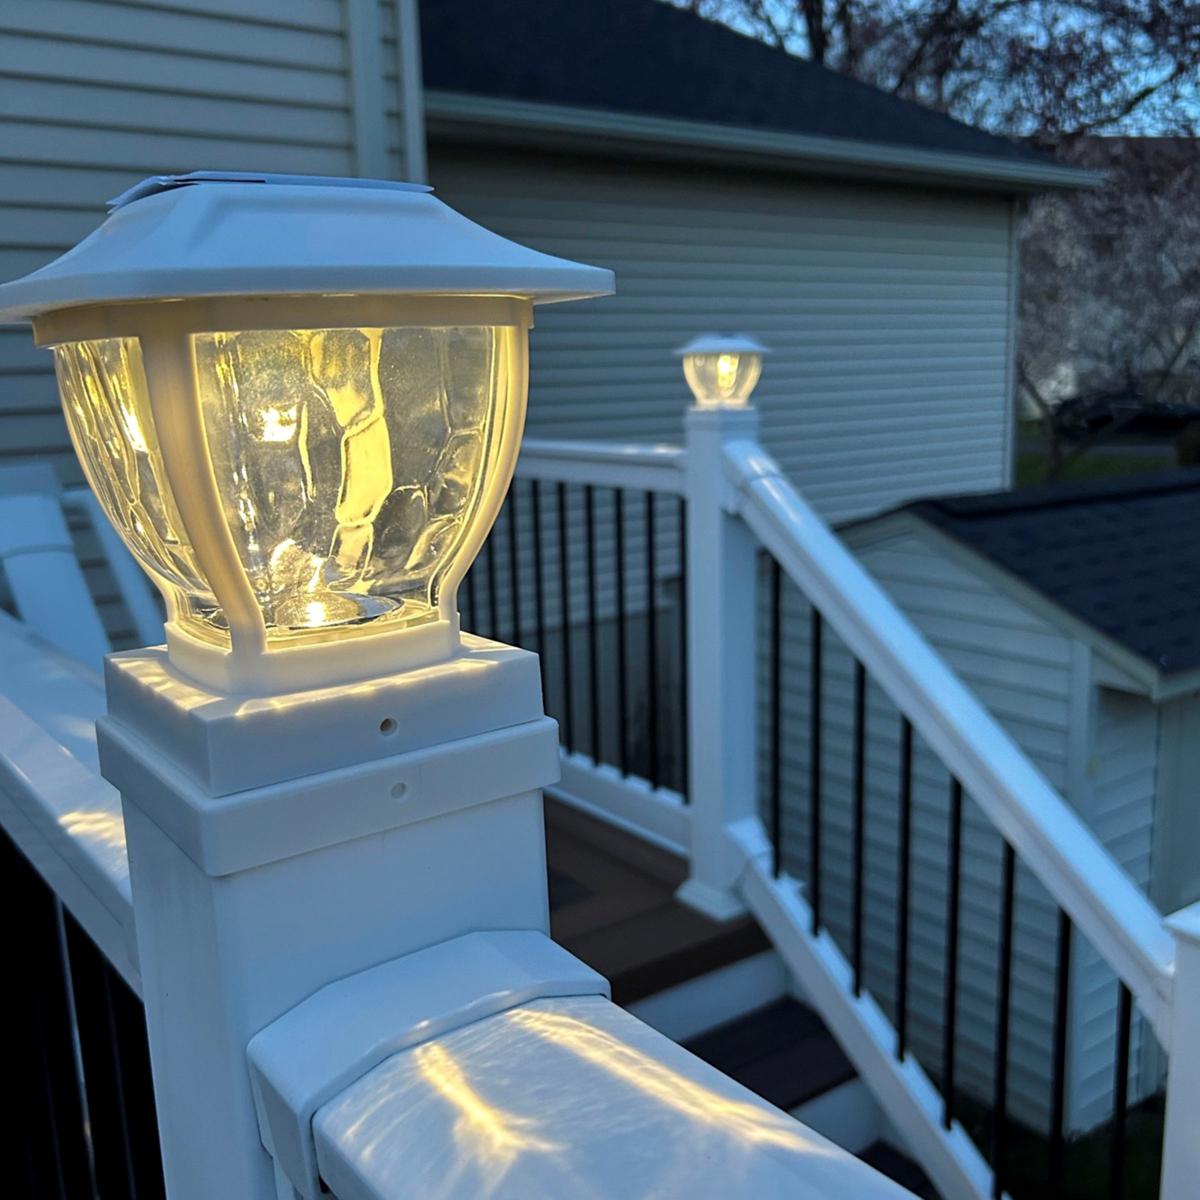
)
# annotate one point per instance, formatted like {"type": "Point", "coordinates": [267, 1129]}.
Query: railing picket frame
{"type": "Point", "coordinates": [1053, 842]}
{"type": "Point", "coordinates": [950, 998]}
{"type": "Point", "coordinates": [816, 625]}
{"type": "Point", "coordinates": [593, 643]}
{"type": "Point", "coordinates": [1003, 1015]}
{"type": "Point", "coordinates": [860, 821]}
{"type": "Point", "coordinates": [1058, 1095]}
{"type": "Point", "coordinates": [904, 885]}
{"type": "Point", "coordinates": [539, 587]}
{"type": "Point", "coordinates": [44, 1065]}
{"type": "Point", "coordinates": [776, 746]}
{"type": "Point", "coordinates": [1116, 1170]}
{"type": "Point", "coordinates": [564, 589]}
{"type": "Point", "coordinates": [653, 775]}
{"type": "Point", "coordinates": [622, 632]}
{"type": "Point", "coordinates": [684, 736]}
{"type": "Point", "coordinates": [514, 562]}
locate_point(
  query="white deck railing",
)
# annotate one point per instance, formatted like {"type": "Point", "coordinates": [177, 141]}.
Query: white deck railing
{"type": "Point", "coordinates": [1047, 836]}
{"type": "Point", "coordinates": [67, 821]}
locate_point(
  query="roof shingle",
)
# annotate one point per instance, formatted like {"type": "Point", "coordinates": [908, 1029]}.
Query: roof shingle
{"type": "Point", "coordinates": [646, 57]}
{"type": "Point", "coordinates": [1121, 555]}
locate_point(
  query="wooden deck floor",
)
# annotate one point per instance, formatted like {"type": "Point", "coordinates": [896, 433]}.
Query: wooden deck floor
{"type": "Point", "coordinates": [612, 903]}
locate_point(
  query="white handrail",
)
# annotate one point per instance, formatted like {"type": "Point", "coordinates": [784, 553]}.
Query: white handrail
{"type": "Point", "coordinates": [604, 464]}
{"type": "Point", "coordinates": [66, 820]}
{"type": "Point", "coordinates": [1104, 903]}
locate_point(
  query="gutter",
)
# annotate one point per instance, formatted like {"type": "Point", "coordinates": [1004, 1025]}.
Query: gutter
{"type": "Point", "coordinates": [460, 116]}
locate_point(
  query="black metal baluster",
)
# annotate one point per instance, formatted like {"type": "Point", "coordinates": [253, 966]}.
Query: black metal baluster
{"type": "Point", "coordinates": [814, 772]}
{"type": "Point", "coordinates": [1004, 995]}
{"type": "Point", "coordinates": [950, 999]}
{"type": "Point", "coordinates": [684, 707]}
{"type": "Point", "coordinates": [50, 1132]}
{"type": "Point", "coordinates": [651, 643]}
{"type": "Point", "coordinates": [514, 563]}
{"type": "Point", "coordinates": [102, 1065]}
{"type": "Point", "coordinates": [564, 587]}
{"type": "Point", "coordinates": [904, 875]}
{"type": "Point", "coordinates": [589, 516]}
{"type": "Point", "coordinates": [860, 814]}
{"type": "Point", "coordinates": [539, 598]}
{"type": "Point", "coordinates": [472, 600]}
{"type": "Point", "coordinates": [776, 685]}
{"type": "Point", "coordinates": [1058, 1101]}
{"type": "Point", "coordinates": [489, 565]}
{"type": "Point", "coordinates": [1116, 1178]}
{"type": "Point", "coordinates": [622, 632]}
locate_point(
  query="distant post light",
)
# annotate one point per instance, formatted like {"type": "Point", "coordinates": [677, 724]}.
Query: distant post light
{"type": "Point", "coordinates": [299, 400]}
{"type": "Point", "coordinates": [722, 369]}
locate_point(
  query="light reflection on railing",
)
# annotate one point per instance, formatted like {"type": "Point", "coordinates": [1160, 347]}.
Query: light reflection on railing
{"type": "Point", "coordinates": [486, 1131]}
{"type": "Point", "coordinates": [740, 1120]}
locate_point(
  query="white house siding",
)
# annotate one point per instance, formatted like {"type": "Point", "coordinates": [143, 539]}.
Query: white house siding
{"type": "Point", "coordinates": [1023, 669]}
{"type": "Point", "coordinates": [96, 95]}
{"type": "Point", "coordinates": [887, 310]}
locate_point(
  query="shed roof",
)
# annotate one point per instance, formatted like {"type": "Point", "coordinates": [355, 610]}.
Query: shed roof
{"type": "Point", "coordinates": [648, 58]}
{"type": "Point", "coordinates": [1121, 555]}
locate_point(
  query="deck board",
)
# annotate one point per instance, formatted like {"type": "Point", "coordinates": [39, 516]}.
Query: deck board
{"type": "Point", "coordinates": [612, 903]}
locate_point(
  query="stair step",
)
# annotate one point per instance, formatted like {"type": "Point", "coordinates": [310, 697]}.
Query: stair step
{"type": "Point", "coordinates": [782, 1052]}
{"type": "Point", "coordinates": [889, 1161]}
{"type": "Point", "coordinates": [612, 904]}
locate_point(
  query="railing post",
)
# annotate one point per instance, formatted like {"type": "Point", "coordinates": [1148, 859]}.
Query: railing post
{"type": "Point", "coordinates": [278, 845]}
{"type": "Point", "coordinates": [721, 646]}
{"type": "Point", "coordinates": [1181, 1138]}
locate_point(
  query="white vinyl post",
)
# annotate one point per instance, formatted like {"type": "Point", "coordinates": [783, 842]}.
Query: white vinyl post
{"type": "Point", "coordinates": [721, 606]}
{"type": "Point", "coordinates": [1181, 1138]}
{"type": "Point", "coordinates": [278, 845]}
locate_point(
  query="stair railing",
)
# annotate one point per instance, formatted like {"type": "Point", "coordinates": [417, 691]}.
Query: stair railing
{"type": "Point", "coordinates": [729, 814]}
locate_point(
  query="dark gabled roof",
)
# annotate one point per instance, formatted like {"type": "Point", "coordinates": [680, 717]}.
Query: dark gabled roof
{"type": "Point", "coordinates": [1121, 555]}
{"type": "Point", "coordinates": [645, 57]}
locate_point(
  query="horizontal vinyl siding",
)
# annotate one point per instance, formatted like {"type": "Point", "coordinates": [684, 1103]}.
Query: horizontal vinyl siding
{"type": "Point", "coordinates": [886, 309]}
{"type": "Point", "coordinates": [94, 96]}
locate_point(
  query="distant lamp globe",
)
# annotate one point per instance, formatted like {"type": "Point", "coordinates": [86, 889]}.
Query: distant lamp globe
{"type": "Point", "coordinates": [722, 369]}
{"type": "Point", "coordinates": [299, 401]}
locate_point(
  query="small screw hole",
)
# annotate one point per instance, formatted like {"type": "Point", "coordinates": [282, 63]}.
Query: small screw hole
{"type": "Point", "coordinates": [398, 790]}
{"type": "Point", "coordinates": [387, 726]}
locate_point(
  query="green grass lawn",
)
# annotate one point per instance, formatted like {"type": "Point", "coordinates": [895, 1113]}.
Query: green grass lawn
{"type": "Point", "coordinates": [1095, 464]}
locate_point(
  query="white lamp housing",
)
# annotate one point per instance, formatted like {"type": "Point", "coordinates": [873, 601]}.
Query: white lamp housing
{"type": "Point", "coordinates": [722, 369]}
{"type": "Point", "coordinates": [299, 400]}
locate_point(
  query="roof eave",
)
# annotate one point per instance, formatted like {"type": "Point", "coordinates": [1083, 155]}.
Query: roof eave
{"type": "Point", "coordinates": [466, 116]}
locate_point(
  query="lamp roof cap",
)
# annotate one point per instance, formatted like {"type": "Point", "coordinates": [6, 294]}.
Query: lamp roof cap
{"type": "Point", "coordinates": [213, 233]}
{"type": "Point", "coordinates": [722, 343]}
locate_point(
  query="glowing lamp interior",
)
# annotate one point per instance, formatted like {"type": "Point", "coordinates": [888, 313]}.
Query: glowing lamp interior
{"type": "Point", "coordinates": [722, 371]}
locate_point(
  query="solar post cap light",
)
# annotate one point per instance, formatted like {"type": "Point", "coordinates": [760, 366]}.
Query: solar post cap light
{"type": "Point", "coordinates": [722, 369]}
{"type": "Point", "coordinates": [299, 400]}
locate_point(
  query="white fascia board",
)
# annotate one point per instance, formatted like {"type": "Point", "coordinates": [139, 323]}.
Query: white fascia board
{"type": "Point", "coordinates": [464, 116]}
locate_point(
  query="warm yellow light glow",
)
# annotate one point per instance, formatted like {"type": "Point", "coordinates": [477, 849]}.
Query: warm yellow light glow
{"type": "Point", "coordinates": [723, 380]}
{"type": "Point", "coordinates": [483, 1131]}
{"type": "Point", "coordinates": [727, 368]}
{"type": "Point", "coordinates": [349, 464]}
{"type": "Point", "coordinates": [740, 1120]}
{"type": "Point", "coordinates": [95, 825]}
